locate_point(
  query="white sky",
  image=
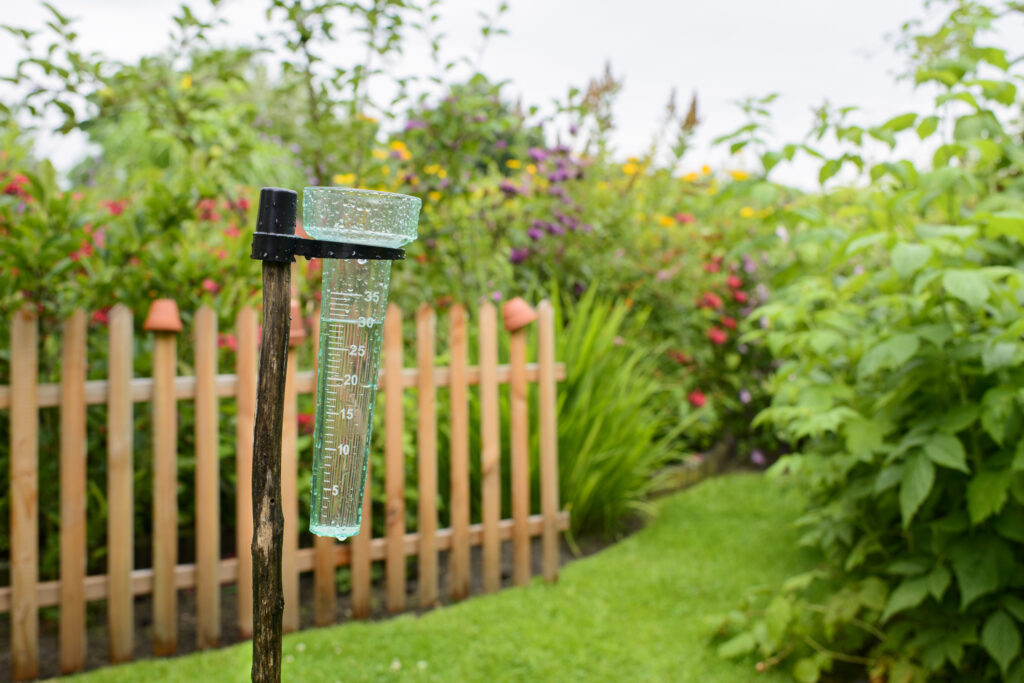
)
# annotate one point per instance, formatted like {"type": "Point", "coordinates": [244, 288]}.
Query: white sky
{"type": "Point", "coordinates": [806, 50]}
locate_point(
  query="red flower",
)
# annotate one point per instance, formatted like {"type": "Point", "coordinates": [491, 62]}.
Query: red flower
{"type": "Point", "coordinates": [711, 300]}
{"type": "Point", "coordinates": [740, 296]}
{"type": "Point", "coordinates": [306, 422]}
{"type": "Point", "coordinates": [232, 231]}
{"type": "Point", "coordinates": [17, 186]}
{"type": "Point", "coordinates": [717, 335]}
{"type": "Point", "coordinates": [100, 317]}
{"type": "Point", "coordinates": [208, 210]}
{"type": "Point", "coordinates": [712, 267]}
{"type": "Point", "coordinates": [684, 218]}
{"type": "Point", "coordinates": [679, 356]}
{"type": "Point", "coordinates": [114, 207]}
{"type": "Point", "coordinates": [729, 322]}
{"type": "Point", "coordinates": [227, 341]}
{"type": "Point", "coordinates": [211, 286]}
{"type": "Point", "coordinates": [697, 398]}
{"type": "Point", "coordinates": [734, 282]}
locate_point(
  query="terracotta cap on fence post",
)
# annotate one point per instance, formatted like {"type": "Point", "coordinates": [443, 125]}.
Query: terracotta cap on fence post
{"type": "Point", "coordinates": [517, 314]}
{"type": "Point", "coordinates": [163, 316]}
{"type": "Point", "coordinates": [297, 331]}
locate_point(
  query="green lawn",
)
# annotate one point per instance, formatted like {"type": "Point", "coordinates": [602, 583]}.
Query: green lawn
{"type": "Point", "coordinates": [631, 612]}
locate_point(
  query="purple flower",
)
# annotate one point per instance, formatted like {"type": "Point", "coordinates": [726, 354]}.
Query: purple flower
{"type": "Point", "coordinates": [579, 288]}
{"type": "Point", "coordinates": [518, 255]}
{"type": "Point", "coordinates": [555, 229]}
{"type": "Point", "coordinates": [415, 124]}
{"type": "Point", "coordinates": [757, 457]}
{"type": "Point", "coordinates": [749, 265]}
{"type": "Point", "coordinates": [480, 118]}
{"type": "Point", "coordinates": [497, 296]}
{"type": "Point", "coordinates": [573, 129]}
{"type": "Point", "coordinates": [509, 188]}
{"type": "Point", "coordinates": [561, 149]}
{"type": "Point", "coordinates": [500, 144]}
{"type": "Point", "coordinates": [535, 233]}
{"type": "Point", "coordinates": [662, 275]}
{"type": "Point", "coordinates": [295, 148]}
{"type": "Point", "coordinates": [587, 227]}
{"type": "Point", "coordinates": [744, 396]}
{"type": "Point", "coordinates": [782, 233]}
{"type": "Point", "coordinates": [557, 191]}
{"type": "Point", "coordinates": [537, 154]}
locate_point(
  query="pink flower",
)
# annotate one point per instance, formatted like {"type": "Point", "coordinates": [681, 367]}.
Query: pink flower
{"type": "Point", "coordinates": [306, 422]}
{"type": "Point", "coordinates": [717, 335]}
{"type": "Point", "coordinates": [114, 207]}
{"type": "Point", "coordinates": [684, 218]}
{"type": "Point", "coordinates": [211, 286]}
{"type": "Point", "coordinates": [740, 296]}
{"type": "Point", "coordinates": [711, 300]}
{"type": "Point", "coordinates": [734, 282]}
{"type": "Point", "coordinates": [729, 322]}
{"type": "Point", "coordinates": [232, 231]}
{"type": "Point", "coordinates": [227, 341]}
{"type": "Point", "coordinates": [697, 398]}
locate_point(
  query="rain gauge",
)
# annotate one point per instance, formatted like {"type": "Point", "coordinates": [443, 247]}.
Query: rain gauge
{"type": "Point", "coordinates": [354, 298]}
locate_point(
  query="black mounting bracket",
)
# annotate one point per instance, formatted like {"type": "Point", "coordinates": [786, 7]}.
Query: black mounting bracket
{"type": "Point", "coordinates": [270, 246]}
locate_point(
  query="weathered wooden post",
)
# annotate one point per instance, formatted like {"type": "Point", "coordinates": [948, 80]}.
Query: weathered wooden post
{"type": "Point", "coordinates": [276, 216]}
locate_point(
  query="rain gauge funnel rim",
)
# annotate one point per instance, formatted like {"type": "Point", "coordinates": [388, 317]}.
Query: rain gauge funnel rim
{"type": "Point", "coordinates": [358, 216]}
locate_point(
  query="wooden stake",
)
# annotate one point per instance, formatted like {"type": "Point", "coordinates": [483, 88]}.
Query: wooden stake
{"type": "Point", "coordinates": [490, 447]}
{"type": "Point", "coordinates": [520, 473]}
{"type": "Point", "coordinates": [165, 495]}
{"type": "Point", "coordinates": [426, 443]}
{"type": "Point", "coordinates": [207, 481]}
{"type": "Point", "coordinates": [459, 555]}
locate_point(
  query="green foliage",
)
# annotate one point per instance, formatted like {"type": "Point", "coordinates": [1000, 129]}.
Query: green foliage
{"type": "Point", "coordinates": [898, 336]}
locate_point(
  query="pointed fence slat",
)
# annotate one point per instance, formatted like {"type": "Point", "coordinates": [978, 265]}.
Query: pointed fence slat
{"type": "Point", "coordinates": [72, 494]}
{"type": "Point", "coordinates": [490, 447]}
{"type": "Point", "coordinates": [548, 439]}
{"type": "Point", "coordinates": [24, 494]}
{"type": "Point", "coordinates": [290, 496]}
{"type": "Point", "coordinates": [246, 366]}
{"type": "Point", "coordinates": [394, 460]}
{"type": "Point", "coordinates": [459, 504]}
{"type": "Point", "coordinates": [165, 495]}
{"type": "Point", "coordinates": [519, 424]}
{"type": "Point", "coordinates": [426, 445]}
{"type": "Point", "coordinates": [120, 488]}
{"type": "Point", "coordinates": [325, 596]}
{"type": "Point", "coordinates": [207, 481]}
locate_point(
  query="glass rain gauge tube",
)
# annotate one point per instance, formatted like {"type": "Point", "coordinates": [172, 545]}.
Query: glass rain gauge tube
{"type": "Point", "coordinates": [353, 301]}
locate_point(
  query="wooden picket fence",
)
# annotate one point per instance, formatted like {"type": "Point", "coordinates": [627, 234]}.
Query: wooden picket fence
{"type": "Point", "coordinates": [120, 391]}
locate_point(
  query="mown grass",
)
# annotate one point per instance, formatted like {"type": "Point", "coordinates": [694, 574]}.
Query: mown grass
{"type": "Point", "coordinates": [631, 612]}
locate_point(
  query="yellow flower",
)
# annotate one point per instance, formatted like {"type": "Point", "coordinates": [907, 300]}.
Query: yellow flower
{"type": "Point", "coordinates": [397, 145]}
{"type": "Point", "coordinates": [705, 169]}
{"type": "Point", "coordinates": [442, 174]}
{"type": "Point", "coordinates": [531, 169]}
{"type": "Point", "coordinates": [344, 178]}
{"type": "Point", "coordinates": [380, 154]}
{"type": "Point", "coordinates": [434, 196]}
{"type": "Point", "coordinates": [186, 81]}
{"type": "Point", "coordinates": [514, 163]}
{"type": "Point", "coordinates": [385, 170]}
{"type": "Point", "coordinates": [665, 221]}
{"type": "Point", "coordinates": [106, 92]}
{"type": "Point", "coordinates": [433, 169]}
{"type": "Point", "coordinates": [739, 175]}
{"type": "Point", "coordinates": [630, 168]}
{"type": "Point", "coordinates": [364, 117]}
{"type": "Point", "coordinates": [690, 177]}
{"type": "Point", "coordinates": [747, 212]}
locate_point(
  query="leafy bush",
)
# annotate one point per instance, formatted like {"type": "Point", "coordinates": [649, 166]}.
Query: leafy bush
{"type": "Point", "coordinates": [898, 331]}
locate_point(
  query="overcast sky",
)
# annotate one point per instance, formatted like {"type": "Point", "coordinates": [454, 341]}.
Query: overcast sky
{"type": "Point", "coordinates": [806, 50]}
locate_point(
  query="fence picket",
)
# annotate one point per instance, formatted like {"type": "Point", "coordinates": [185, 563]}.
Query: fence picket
{"type": "Point", "coordinates": [394, 461]}
{"type": "Point", "coordinates": [24, 493]}
{"type": "Point", "coordinates": [548, 439]}
{"type": "Point", "coordinates": [165, 495]}
{"type": "Point", "coordinates": [459, 505]}
{"type": "Point", "coordinates": [207, 481]}
{"type": "Point", "coordinates": [325, 599]}
{"type": "Point", "coordinates": [520, 471]}
{"type": "Point", "coordinates": [120, 491]}
{"type": "Point", "coordinates": [73, 534]}
{"type": "Point", "coordinates": [290, 496]}
{"type": "Point", "coordinates": [426, 444]}
{"type": "Point", "coordinates": [246, 367]}
{"type": "Point", "coordinates": [490, 447]}
{"type": "Point", "coordinates": [361, 560]}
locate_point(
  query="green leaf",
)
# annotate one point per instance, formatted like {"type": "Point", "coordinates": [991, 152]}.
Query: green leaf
{"type": "Point", "coordinates": [987, 493]}
{"type": "Point", "coordinates": [927, 126]}
{"type": "Point", "coordinates": [910, 593]}
{"type": "Point", "coordinates": [918, 478]}
{"type": "Point", "coordinates": [901, 122]}
{"type": "Point", "coordinates": [891, 353]}
{"type": "Point", "coordinates": [970, 286]}
{"type": "Point", "coordinates": [737, 646]}
{"type": "Point", "coordinates": [947, 451]}
{"type": "Point", "coordinates": [907, 259]}
{"type": "Point", "coordinates": [975, 562]}
{"type": "Point", "coordinates": [1000, 355]}
{"type": "Point", "coordinates": [864, 436]}
{"type": "Point", "coordinates": [1001, 639]}
{"type": "Point", "coordinates": [829, 169]}
{"type": "Point", "coordinates": [938, 581]}
{"type": "Point", "coordinates": [806, 671]}
{"type": "Point", "coordinates": [997, 407]}
{"type": "Point", "coordinates": [1005, 224]}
